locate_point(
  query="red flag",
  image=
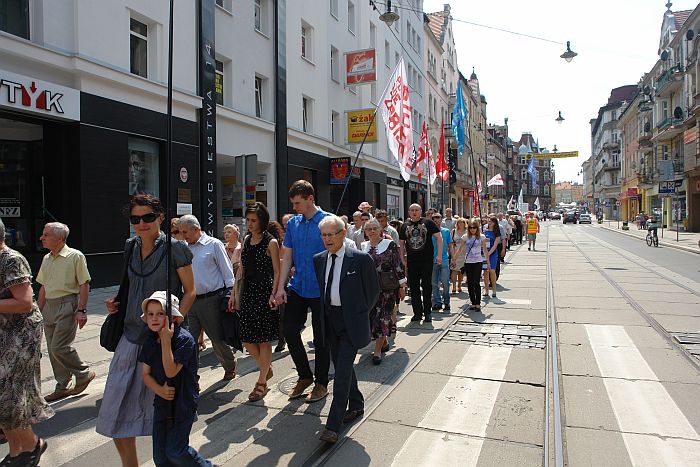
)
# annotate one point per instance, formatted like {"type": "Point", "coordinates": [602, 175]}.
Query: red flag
{"type": "Point", "coordinates": [441, 167]}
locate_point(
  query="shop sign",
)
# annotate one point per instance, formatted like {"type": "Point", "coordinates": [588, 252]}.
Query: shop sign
{"type": "Point", "coordinates": [207, 117]}
{"type": "Point", "coordinates": [27, 94]}
{"type": "Point", "coordinates": [184, 208]}
{"type": "Point", "coordinates": [361, 66]}
{"type": "Point", "coordinates": [9, 211]}
{"type": "Point", "coordinates": [690, 135]}
{"type": "Point", "coordinates": [358, 126]}
{"type": "Point", "coordinates": [631, 192]}
{"type": "Point", "coordinates": [413, 186]}
{"type": "Point", "coordinates": [339, 170]}
{"type": "Point", "coordinates": [667, 187]}
{"type": "Point", "coordinates": [394, 182]}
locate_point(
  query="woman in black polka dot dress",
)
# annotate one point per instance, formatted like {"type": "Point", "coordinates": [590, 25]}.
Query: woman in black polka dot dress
{"type": "Point", "coordinates": [259, 315]}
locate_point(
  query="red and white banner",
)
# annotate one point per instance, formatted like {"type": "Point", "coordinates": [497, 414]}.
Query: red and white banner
{"type": "Point", "coordinates": [425, 154]}
{"type": "Point", "coordinates": [361, 66]}
{"type": "Point", "coordinates": [395, 105]}
{"type": "Point", "coordinates": [496, 180]}
{"type": "Point", "coordinates": [478, 185]}
{"type": "Point", "coordinates": [442, 167]}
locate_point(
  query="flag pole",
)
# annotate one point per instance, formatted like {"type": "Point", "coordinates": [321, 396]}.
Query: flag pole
{"type": "Point", "coordinates": [357, 157]}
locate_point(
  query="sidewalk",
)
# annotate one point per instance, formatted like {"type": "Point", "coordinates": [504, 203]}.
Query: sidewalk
{"type": "Point", "coordinates": [687, 241]}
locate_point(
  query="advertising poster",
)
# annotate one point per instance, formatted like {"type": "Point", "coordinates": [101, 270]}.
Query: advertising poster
{"type": "Point", "coordinates": [361, 66]}
{"type": "Point", "coordinates": [358, 125]}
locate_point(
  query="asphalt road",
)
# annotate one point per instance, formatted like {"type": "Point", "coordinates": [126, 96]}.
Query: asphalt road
{"type": "Point", "coordinates": [678, 261]}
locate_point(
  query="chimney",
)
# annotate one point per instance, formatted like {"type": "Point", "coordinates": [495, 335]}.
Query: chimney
{"type": "Point", "coordinates": [446, 7]}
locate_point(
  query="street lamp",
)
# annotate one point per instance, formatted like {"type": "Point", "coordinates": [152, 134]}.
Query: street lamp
{"type": "Point", "coordinates": [559, 119]}
{"type": "Point", "coordinates": [390, 16]}
{"type": "Point", "coordinates": [569, 54]}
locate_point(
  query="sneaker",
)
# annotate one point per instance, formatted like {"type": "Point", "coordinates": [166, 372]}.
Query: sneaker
{"type": "Point", "coordinates": [300, 387]}
{"type": "Point", "coordinates": [317, 393]}
{"type": "Point", "coordinates": [437, 307]}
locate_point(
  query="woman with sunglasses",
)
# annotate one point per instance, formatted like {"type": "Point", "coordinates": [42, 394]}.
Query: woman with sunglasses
{"type": "Point", "coordinates": [457, 263]}
{"type": "Point", "coordinates": [127, 404]}
{"type": "Point", "coordinates": [473, 249]}
{"type": "Point", "coordinates": [492, 232]}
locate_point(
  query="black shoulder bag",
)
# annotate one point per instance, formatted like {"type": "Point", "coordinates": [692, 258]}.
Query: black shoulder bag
{"type": "Point", "coordinates": [113, 327]}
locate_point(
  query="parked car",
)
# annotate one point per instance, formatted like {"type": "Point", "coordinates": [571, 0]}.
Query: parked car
{"type": "Point", "coordinates": [570, 217]}
{"type": "Point", "coordinates": [555, 216]}
{"type": "Point", "coordinates": [584, 218]}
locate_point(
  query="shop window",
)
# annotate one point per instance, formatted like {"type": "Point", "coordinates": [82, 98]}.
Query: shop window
{"type": "Point", "coordinates": [14, 17]}
{"type": "Point", "coordinates": [351, 17]}
{"type": "Point", "coordinates": [138, 46]}
{"type": "Point", "coordinates": [143, 167]}
{"type": "Point", "coordinates": [219, 82]}
{"type": "Point", "coordinates": [392, 206]}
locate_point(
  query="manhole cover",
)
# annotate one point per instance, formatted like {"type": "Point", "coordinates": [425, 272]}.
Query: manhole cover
{"type": "Point", "coordinates": [499, 335]}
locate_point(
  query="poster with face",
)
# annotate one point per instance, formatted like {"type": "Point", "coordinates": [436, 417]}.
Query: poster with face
{"type": "Point", "coordinates": [143, 167]}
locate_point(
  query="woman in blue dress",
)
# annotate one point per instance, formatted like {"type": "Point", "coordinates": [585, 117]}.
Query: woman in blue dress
{"type": "Point", "coordinates": [493, 239]}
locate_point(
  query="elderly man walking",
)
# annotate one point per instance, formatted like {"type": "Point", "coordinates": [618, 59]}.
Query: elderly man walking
{"type": "Point", "coordinates": [213, 280]}
{"type": "Point", "coordinates": [63, 296]}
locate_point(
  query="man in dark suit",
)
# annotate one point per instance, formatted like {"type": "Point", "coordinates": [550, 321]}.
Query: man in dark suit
{"type": "Point", "coordinates": [349, 288]}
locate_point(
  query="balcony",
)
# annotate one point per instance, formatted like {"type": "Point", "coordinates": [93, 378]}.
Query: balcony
{"type": "Point", "coordinates": [668, 128]}
{"type": "Point", "coordinates": [612, 166]}
{"type": "Point", "coordinates": [611, 145]}
{"type": "Point", "coordinates": [645, 141]}
{"type": "Point", "coordinates": [670, 81]}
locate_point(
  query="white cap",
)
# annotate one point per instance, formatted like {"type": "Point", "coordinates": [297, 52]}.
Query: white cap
{"type": "Point", "coordinates": [160, 296]}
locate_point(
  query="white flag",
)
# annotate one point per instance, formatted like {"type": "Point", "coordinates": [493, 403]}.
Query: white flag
{"type": "Point", "coordinates": [536, 206]}
{"type": "Point", "coordinates": [496, 180]}
{"type": "Point", "coordinates": [395, 105]}
{"type": "Point", "coordinates": [511, 203]}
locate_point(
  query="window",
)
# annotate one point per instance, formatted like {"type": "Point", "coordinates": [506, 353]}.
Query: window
{"type": "Point", "coordinates": [306, 41]}
{"type": "Point", "coordinates": [335, 127]}
{"type": "Point", "coordinates": [546, 190]}
{"type": "Point", "coordinates": [14, 17]}
{"type": "Point", "coordinates": [397, 57]}
{"type": "Point", "coordinates": [387, 54]}
{"type": "Point", "coordinates": [143, 167]}
{"type": "Point", "coordinates": [537, 190]}
{"type": "Point", "coordinates": [351, 17]}
{"type": "Point", "coordinates": [664, 110]}
{"type": "Point", "coordinates": [219, 82]}
{"type": "Point", "coordinates": [306, 114]}
{"type": "Point", "coordinates": [138, 44]}
{"type": "Point", "coordinates": [257, 15]}
{"type": "Point", "coordinates": [335, 65]}
{"type": "Point", "coordinates": [259, 96]}
{"type": "Point", "coordinates": [334, 9]}
{"type": "Point", "coordinates": [523, 174]}
{"type": "Point", "coordinates": [225, 4]}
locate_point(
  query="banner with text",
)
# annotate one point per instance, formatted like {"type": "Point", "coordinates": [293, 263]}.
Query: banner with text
{"type": "Point", "coordinates": [358, 125]}
{"type": "Point", "coordinates": [361, 66]}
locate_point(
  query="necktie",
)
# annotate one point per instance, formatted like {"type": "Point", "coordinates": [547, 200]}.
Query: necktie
{"type": "Point", "coordinates": [329, 282]}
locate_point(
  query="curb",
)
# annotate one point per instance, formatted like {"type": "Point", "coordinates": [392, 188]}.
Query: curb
{"type": "Point", "coordinates": [663, 243]}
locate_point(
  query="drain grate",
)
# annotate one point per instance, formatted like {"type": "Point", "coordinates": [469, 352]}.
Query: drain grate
{"type": "Point", "coordinates": [499, 335]}
{"type": "Point", "coordinates": [689, 341]}
{"type": "Point", "coordinates": [616, 269]}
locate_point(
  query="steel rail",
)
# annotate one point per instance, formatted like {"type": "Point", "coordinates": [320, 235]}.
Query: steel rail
{"type": "Point", "coordinates": [640, 309]}
{"type": "Point", "coordinates": [552, 382]}
{"type": "Point", "coordinates": [324, 453]}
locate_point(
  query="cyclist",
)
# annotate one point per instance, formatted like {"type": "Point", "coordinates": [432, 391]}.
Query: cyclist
{"type": "Point", "coordinates": [652, 227]}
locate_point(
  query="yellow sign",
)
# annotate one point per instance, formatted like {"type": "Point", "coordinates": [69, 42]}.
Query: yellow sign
{"type": "Point", "coordinates": [358, 125]}
{"type": "Point", "coordinates": [553, 155]}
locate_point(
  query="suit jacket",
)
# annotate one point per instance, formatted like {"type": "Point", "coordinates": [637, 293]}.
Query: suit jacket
{"type": "Point", "coordinates": [359, 292]}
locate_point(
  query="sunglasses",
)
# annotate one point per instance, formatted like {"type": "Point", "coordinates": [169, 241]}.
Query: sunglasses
{"type": "Point", "coordinates": [147, 218]}
{"type": "Point", "coordinates": [473, 228]}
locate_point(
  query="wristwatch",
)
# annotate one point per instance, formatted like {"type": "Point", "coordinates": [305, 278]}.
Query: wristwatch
{"type": "Point", "coordinates": [80, 310]}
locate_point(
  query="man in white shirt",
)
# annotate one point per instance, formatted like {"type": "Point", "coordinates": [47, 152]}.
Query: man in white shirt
{"type": "Point", "coordinates": [213, 280]}
{"type": "Point", "coordinates": [356, 220]}
{"type": "Point", "coordinates": [449, 222]}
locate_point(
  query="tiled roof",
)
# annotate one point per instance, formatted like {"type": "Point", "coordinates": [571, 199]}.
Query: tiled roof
{"type": "Point", "coordinates": [623, 93]}
{"type": "Point", "coordinates": [681, 17]}
{"type": "Point", "coordinates": [437, 23]}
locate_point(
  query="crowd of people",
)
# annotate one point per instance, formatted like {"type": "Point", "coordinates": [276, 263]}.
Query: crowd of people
{"type": "Point", "coordinates": [351, 276]}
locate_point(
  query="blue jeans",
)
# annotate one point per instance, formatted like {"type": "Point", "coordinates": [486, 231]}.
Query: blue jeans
{"type": "Point", "coordinates": [171, 443]}
{"type": "Point", "coordinates": [441, 275]}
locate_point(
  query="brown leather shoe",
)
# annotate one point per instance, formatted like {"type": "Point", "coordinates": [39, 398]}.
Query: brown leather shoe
{"type": "Point", "coordinates": [80, 387]}
{"type": "Point", "coordinates": [328, 436]}
{"type": "Point", "coordinates": [58, 394]}
{"type": "Point", "coordinates": [317, 393]}
{"type": "Point", "coordinates": [300, 387]}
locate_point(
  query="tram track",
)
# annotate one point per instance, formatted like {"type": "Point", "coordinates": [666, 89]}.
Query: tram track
{"type": "Point", "coordinates": [323, 455]}
{"type": "Point", "coordinates": [637, 306]}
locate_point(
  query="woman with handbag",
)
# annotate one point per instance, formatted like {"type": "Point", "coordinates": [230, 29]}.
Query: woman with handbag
{"type": "Point", "coordinates": [260, 265]}
{"type": "Point", "coordinates": [392, 276]}
{"type": "Point", "coordinates": [473, 250]}
{"type": "Point", "coordinates": [127, 404]}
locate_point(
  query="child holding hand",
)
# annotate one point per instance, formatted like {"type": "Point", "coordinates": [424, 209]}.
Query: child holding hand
{"type": "Point", "coordinates": [170, 371]}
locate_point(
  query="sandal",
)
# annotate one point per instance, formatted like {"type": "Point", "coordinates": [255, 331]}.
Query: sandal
{"type": "Point", "coordinates": [258, 392]}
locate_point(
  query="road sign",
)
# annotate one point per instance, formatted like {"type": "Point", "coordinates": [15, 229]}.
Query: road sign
{"type": "Point", "coordinates": [668, 187]}
{"type": "Point", "coordinates": [665, 170]}
{"type": "Point", "coordinates": [617, 203]}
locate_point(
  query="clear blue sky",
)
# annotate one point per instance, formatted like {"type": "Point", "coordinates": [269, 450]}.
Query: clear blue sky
{"type": "Point", "coordinates": [525, 80]}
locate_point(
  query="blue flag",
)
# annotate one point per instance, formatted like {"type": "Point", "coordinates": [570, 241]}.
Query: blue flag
{"type": "Point", "coordinates": [459, 117]}
{"type": "Point", "coordinates": [532, 170]}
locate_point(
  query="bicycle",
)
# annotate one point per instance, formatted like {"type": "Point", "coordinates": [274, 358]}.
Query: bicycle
{"type": "Point", "coordinates": [652, 238]}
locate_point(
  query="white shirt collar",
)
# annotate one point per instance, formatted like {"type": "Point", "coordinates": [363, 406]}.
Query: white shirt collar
{"type": "Point", "coordinates": [339, 254]}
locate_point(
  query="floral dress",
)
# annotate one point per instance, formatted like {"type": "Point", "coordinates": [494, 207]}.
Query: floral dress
{"type": "Point", "coordinates": [21, 404]}
{"type": "Point", "coordinates": [386, 257]}
{"type": "Point", "coordinates": [259, 323]}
